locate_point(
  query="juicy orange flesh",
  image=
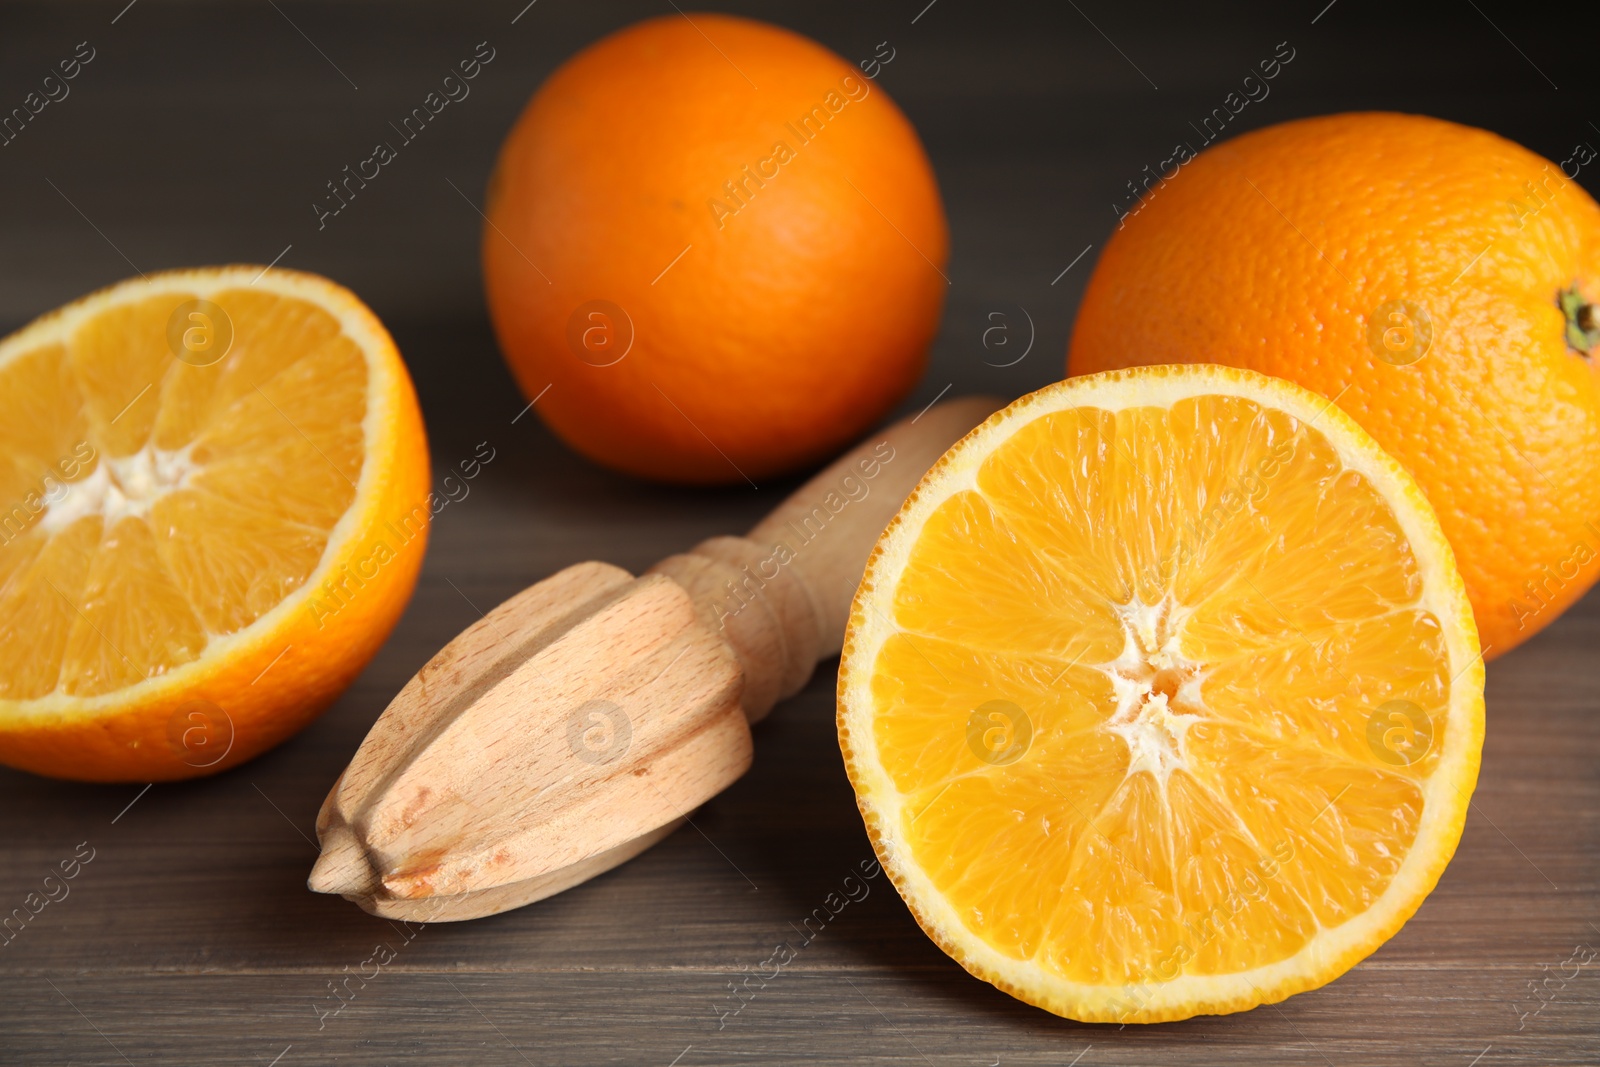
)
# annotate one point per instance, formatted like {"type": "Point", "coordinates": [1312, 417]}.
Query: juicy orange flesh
{"type": "Point", "coordinates": [1196, 611]}
{"type": "Point", "coordinates": [155, 505]}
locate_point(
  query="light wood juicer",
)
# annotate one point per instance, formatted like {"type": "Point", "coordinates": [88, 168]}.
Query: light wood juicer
{"type": "Point", "coordinates": [580, 722]}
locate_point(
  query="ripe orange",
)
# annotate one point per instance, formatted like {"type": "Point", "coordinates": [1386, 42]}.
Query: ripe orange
{"type": "Point", "coordinates": [213, 506]}
{"type": "Point", "coordinates": [1436, 281]}
{"type": "Point", "coordinates": [1161, 696]}
{"type": "Point", "coordinates": [719, 247]}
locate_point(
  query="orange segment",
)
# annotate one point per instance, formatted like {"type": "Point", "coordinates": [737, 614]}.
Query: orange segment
{"type": "Point", "coordinates": [133, 620]}
{"type": "Point", "coordinates": [1161, 696]}
{"type": "Point", "coordinates": [232, 564]}
{"type": "Point", "coordinates": [185, 458]}
{"type": "Point", "coordinates": [37, 605]}
{"type": "Point", "coordinates": [41, 410]}
{"type": "Point", "coordinates": [270, 332]}
{"type": "Point", "coordinates": [117, 359]}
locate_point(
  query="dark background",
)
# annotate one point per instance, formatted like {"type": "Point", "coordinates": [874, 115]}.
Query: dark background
{"type": "Point", "coordinates": [202, 133]}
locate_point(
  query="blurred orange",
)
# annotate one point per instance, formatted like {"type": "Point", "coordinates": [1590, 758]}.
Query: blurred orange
{"type": "Point", "coordinates": [718, 246]}
{"type": "Point", "coordinates": [1437, 282]}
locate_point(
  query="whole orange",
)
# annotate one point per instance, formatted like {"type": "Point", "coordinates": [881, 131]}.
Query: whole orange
{"type": "Point", "coordinates": [714, 250]}
{"type": "Point", "coordinates": [1435, 281]}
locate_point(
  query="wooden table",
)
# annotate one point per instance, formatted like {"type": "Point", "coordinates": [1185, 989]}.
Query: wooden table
{"type": "Point", "coordinates": [203, 134]}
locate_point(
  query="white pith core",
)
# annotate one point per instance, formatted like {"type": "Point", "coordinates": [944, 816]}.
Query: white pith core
{"type": "Point", "coordinates": [118, 487]}
{"type": "Point", "coordinates": [1155, 688]}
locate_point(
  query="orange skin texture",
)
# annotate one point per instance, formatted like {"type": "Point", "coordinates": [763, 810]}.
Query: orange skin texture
{"type": "Point", "coordinates": [790, 325]}
{"type": "Point", "coordinates": [1274, 250]}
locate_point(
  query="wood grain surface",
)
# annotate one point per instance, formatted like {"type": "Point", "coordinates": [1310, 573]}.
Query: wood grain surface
{"type": "Point", "coordinates": [203, 133]}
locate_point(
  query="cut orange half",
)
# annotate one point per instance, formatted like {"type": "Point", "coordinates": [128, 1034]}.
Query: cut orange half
{"type": "Point", "coordinates": [1161, 696]}
{"type": "Point", "coordinates": [213, 506]}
